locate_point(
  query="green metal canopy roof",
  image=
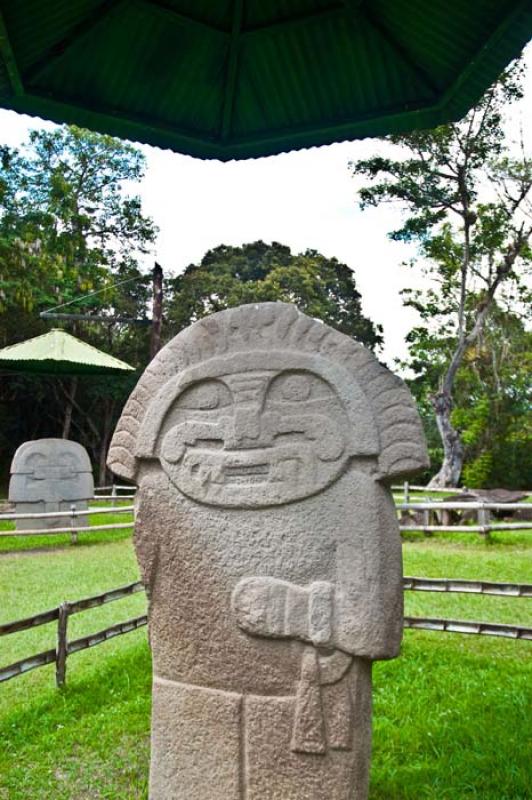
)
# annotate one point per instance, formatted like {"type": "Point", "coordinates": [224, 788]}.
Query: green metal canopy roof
{"type": "Point", "coordinates": [239, 78]}
{"type": "Point", "coordinates": [59, 353]}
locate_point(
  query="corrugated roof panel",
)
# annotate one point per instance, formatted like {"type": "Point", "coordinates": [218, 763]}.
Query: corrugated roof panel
{"type": "Point", "coordinates": [337, 68]}
{"type": "Point", "coordinates": [258, 14]}
{"type": "Point", "coordinates": [36, 25]}
{"type": "Point", "coordinates": [138, 65]}
{"type": "Point", "coordinates": [59, 351]}
{"type": "Point", "coordinates": [240, 78]}
{"type": "Point", "coordinates": [218, 14]}
{"type": "Point", "coordinates": [439, 36]}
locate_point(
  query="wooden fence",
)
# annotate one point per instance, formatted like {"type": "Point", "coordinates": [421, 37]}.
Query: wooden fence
{"type": "Point", "coordinates": [65, 648]}
{"type": "Point", "coordinates": [434, 518]}
{"type": "Point", "coordinates": [71, 525]}
{"type": "Point", "coordinates": [435, 513]}
{"type": "Point", "coordinates": [117, 492]}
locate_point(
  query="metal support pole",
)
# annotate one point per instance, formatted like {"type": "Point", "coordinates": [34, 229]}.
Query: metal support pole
{"type": "Point", "coordinates": [406, 492]}
{"type": "Point", "coordinates": [157, 311]}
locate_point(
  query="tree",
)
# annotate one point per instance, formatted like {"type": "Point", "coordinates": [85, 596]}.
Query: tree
{"type": "Point", "coordinates": [491, 399]}
{"type": "Point", "coordinates": [70, 226]}
{"type": "Point", "coordinates": [468, 207]}
{"type": "Point", "coordinates": [228, 276]}
{"type": "Point", "coordinates": [66, 218]}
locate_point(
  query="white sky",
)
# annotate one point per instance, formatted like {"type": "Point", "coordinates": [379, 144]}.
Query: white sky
{"type": "Point", "coordinates": [305, 199]}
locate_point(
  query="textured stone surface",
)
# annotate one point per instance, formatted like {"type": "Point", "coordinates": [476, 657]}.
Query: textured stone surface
{"type": "Point", "coordinates": [50, 475]}
{"type": "Point", "coordinates": [263, 443]}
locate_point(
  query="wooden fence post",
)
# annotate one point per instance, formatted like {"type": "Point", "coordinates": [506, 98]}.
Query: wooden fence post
{"type": "Point", "coordinates": [73, 522]}
{"type": "Point", "coordinates": [62, 645]}
{"type": "Point", "coordinates": [426, 522]}
{"type": "Point", "coordinates": [406, 492]}
{"type": "Point", "coordinates": [483, 518]}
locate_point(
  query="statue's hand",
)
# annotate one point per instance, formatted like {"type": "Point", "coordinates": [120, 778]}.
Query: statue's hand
{"type": "Point", "coordinates": [278, 609]}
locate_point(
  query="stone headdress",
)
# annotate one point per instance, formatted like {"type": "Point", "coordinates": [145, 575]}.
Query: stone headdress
{"type": "Point", "coordinates": [273, 327]}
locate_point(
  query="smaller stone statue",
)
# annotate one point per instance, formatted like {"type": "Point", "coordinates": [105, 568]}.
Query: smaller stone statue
{"type": "Point", "coordinates": [50, 475]}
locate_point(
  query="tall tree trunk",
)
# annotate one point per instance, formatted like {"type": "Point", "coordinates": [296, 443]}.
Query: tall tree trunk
{"type": "Point", "coordinates": [453, 449]}
{"type": "Point", "coordinates": [70, 395]}
{"type": "Point", "coordinates": [442, 402]}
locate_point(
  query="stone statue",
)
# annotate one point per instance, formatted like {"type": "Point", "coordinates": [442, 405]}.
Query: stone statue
{"type": "Point", "coordinates": [263, 444]}
{"type": "Point", "coordinates": [50, 475]}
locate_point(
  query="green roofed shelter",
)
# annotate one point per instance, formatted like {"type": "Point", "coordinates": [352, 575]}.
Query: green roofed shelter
{"type": "Point", "coordinates": [59, 353]}
{"type": "Point", "coordinates": [233, 79]}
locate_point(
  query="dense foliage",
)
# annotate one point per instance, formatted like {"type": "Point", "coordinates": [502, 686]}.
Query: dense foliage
{"type": "Point", "coordinates": [228, 276]}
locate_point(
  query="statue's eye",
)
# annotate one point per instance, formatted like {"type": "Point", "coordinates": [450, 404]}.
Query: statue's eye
{"type": "Point", "coordinates": [296, 387]}
{"type": "Point", "coordinates": [205, 396]}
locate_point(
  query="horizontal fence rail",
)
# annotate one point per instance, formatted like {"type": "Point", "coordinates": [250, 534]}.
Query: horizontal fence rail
{"type": "Point", "coordinates": [409, 487]}
{"type": "Point", "coordinates": [73, 529]}
{"type": "Point", "coordinates": [509, 526]}
{"type": "Point", "coordinates": [108, 633]}
{"type": "Point", "coordinates": [26, 664]}
{"type": "Point", "coordinates": [115, 487]}
{"type": "Point", "coordinates": [106, 597]}
{"type": "Point", "coordinates": [15, 515]}
{"type": "Point", "coordinates": [113, 497]}
{"type": "Point", "coordinates": [436, 506]}
{"type": "Point", "coordinates": [65, 648]}
{"type": "Point", "coordinates": [465, 626]}
{"type": "Point", "coordinates": [30, 622]}
{"type": "Point", "coordinates": [473, 505]}
{"type": "Point", "coordinates": [452, 585]}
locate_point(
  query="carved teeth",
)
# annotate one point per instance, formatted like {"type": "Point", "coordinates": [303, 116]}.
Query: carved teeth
{"type": "Point", "coordinates": [254, 473]}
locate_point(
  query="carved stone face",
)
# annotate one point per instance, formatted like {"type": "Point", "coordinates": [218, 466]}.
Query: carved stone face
{"type": "Point", "coordinates": [52, 471]}
{"type": "Point", "coordinates": [52, 479]}
{"type": "Point", "coordinates": [255, 438]}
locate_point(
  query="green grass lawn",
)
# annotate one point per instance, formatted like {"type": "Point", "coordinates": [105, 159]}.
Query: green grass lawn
{"type": "Point", "coordinates": [450, 716]}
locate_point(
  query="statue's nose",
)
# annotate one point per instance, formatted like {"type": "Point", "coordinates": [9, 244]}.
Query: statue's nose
{"type": "Point", "coordinates": [246, 431]}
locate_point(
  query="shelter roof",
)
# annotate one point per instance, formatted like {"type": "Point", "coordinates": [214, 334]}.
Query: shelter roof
{"type": "Point", "coordinates": [58, 352]}
{"type": "Point", "coordinates": [241, 78]}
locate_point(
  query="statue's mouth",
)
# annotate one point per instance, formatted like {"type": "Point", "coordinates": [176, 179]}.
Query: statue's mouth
{"type": "Point", "coordinates": [246, 473]}
{"type": "Point", "coordinates": [251, 467]}
{"type": "Point", "coordinates": [294, 462]}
